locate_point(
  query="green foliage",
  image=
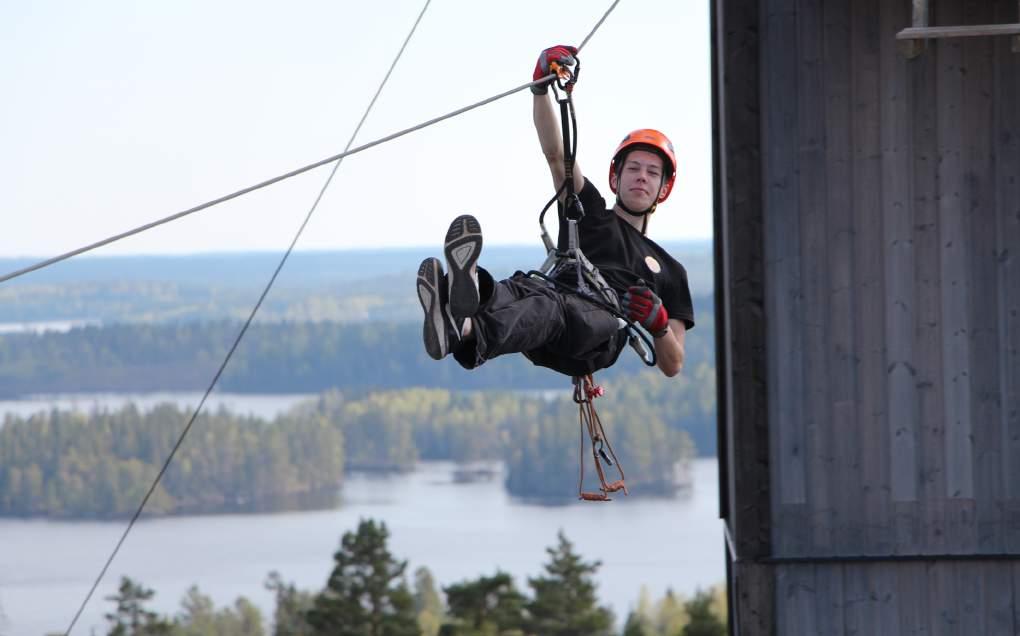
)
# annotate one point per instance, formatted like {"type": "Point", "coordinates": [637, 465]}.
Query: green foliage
{"type": "Point", "coordinates": [345, 286]}
{"type": "Point", "coordinates": [131, 618]}
{"type": "Point", "coordinates": [544, 450]}
{"type": "Point", "coordinates": [291, 609]}
{"type": "Point", "coordinates": [670, 614]}
{"type": "Point", "coordinates": [366, 594]}
{"type": "Point", "coordinates": [287, 357]}
{"type": "Point", "coordinates": [487, 606]}
{"type": "Point", "coordinates": [199, 617]}
{"type": "Point", "coordinates": [635, 626]}
{"type": "Point", "coordinates": [66, 464]}
{"type": "Point", "coordinates": [703, 621]}
{"type": "Point", "coordinates": [69, 464]}
{"type": "Point", "coordinates": [673, 615]}
{"type": "Point", "coordinates": [564, 603]}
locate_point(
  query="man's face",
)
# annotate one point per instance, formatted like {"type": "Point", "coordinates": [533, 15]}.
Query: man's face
{"type": "Point", "coordinates": [639, 183]}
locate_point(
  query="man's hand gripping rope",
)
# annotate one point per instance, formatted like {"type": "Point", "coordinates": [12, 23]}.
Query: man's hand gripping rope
{"type": "Point", "coordinates": [554, 60]}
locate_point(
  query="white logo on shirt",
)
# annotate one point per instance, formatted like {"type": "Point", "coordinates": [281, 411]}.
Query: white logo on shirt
{"type": "Point", "coordinates": [653, 265]}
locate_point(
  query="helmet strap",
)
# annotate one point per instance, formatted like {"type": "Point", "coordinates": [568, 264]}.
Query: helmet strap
{"type": "Point", "coordinates": [641, 213]}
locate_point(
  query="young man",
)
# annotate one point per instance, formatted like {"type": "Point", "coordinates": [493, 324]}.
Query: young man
{"type": "Point", "coordinates": [475, 318]}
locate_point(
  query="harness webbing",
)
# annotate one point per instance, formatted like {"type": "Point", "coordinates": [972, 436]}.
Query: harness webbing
{"type": "Point", "coordinates": [589, 281]}
{"type": "Point", "coordinates": [590, 284]}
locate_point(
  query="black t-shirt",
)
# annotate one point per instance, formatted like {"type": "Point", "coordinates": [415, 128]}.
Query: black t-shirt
{"type": "Point", "coordinates": [624, 255]}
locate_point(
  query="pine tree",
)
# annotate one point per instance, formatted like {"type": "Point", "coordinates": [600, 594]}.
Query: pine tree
{"type": "Point", "coordinates": [702, 621]}
{"type": "Point", "coordinates": [487, 605]}
{"type": "Point", "coordinates": [565, 602]}
{"type": "Point", "coordinates": [292, 605]}
{"type": "Point", "coordinates": [131, 617]}
{"type": "Point", "coordinates": [635, 626]}
{"type": "Point", "coordinates": [366, 594]}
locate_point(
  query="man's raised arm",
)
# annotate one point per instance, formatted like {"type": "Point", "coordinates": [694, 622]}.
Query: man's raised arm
{"type": "Point", "coordinates": [547, 123]}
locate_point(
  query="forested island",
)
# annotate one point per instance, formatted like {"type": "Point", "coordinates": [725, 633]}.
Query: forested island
{"type": "Point", "coordinates": [65, 464]}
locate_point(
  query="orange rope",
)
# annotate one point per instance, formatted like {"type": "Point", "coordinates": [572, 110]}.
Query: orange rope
{"type": "Point", "coordinates": [585, 391]}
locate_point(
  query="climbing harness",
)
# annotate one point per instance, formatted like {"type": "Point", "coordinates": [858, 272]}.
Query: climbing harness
{"type": "Point", "coordinates": [589, 281]}
{"type": "Point", "coordinates": [585, 392]}
{"type": "Point", "coordinates": [559, 265]}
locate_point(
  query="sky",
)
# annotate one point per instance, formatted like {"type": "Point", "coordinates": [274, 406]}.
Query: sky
{"type": "Point", "coordinates": [115, 114]}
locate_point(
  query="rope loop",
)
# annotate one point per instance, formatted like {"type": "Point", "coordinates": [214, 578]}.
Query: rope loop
{"type": "Point", "coordinates": [585, 390]}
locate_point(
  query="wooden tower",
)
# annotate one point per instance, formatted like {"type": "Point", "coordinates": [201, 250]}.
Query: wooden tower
{"type": "Point", "coordinates": [868, 308]}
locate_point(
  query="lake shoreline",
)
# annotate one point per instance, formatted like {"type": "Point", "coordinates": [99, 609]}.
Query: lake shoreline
{"type": "Point", "coordinates": [458, 530]}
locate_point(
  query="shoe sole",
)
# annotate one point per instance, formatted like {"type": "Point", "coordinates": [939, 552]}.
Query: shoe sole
{"type": "Point", "coordinates": [462, 247]}
{"type": "Point", "coordinates": [430, 274]}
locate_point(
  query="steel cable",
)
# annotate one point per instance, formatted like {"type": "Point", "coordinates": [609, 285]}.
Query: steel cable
{"type": "Point", "coordinates": [287, 175]}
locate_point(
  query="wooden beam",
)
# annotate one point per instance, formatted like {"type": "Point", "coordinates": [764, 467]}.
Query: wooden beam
{"type": "Point", "coordinates": [975, 30]}
{"type": "Point", "coordinates": [740, 220]}
{"type": "Point", "coordinates": [913, 40]}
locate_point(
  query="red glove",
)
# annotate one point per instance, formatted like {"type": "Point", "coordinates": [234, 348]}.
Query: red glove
{"type": "Point", "coordinates": [645, 308]}
{"type": "Point", "coordinates": [561, 54]}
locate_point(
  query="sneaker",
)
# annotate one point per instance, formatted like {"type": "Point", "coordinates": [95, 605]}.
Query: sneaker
{"type": "Point", "coordinates": [437, 331]}
{"type": "Point", "coordinates": [462, 247]}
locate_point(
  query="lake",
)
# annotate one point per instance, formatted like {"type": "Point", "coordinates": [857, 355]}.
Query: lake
{"type": "Point", "coordinates": [459, 531]}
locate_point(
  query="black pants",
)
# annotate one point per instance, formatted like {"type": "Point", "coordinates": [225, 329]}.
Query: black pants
{"type": "Point", "coordinates": [561, 331]}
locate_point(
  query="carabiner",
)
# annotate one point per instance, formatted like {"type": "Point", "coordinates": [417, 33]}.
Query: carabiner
{"type": "Point", "coordinates": [565, 77]}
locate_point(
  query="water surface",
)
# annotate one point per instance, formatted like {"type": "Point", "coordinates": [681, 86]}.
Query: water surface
{"type": "Point", "coordinates": [459, 531]}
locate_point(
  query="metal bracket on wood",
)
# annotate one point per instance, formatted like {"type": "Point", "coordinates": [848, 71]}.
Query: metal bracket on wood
{"type": "Point", "coordinates": [914, 40]}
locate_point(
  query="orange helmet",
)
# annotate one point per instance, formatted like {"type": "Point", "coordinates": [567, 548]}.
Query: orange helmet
{"type": "Point", "coordinates": [654, 141]}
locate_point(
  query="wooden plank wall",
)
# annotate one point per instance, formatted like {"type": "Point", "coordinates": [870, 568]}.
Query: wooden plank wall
{"type": "Point", "coordinates": [891, 193]}
{"type": "Point", "coordinates": [933, 598]}
{"type": "Point", "coordinates": [740, 302]}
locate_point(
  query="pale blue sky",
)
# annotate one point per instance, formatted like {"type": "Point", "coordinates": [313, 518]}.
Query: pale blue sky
{"type": "Point", "coordinates": [117, 113]}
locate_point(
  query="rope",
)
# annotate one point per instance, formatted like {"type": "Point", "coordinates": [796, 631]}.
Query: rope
{"type": "Point", "coordinates": [293, 173]}
{"type": "Point", "coordinates": [585, 392]}
{"type": "Point", "coordinates": [244, 328]}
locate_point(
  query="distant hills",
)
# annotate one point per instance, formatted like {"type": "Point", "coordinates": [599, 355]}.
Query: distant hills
{"type": "Point", "coordinates": [346, 286]}
{"type": "Point", "coordinates": [306, 268]}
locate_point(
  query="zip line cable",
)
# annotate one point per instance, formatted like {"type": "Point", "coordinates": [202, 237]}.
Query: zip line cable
{"type": "Point", "coordinates": [287, 175]}
{"type": "Point", "coordinates": [237, 341]}
{"type": "Point", "coordinates": [598, 24]}
{"type": "Point", "coordinates": [244, 328]}
{"type": "Point", "coordinates": [257, 186]}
